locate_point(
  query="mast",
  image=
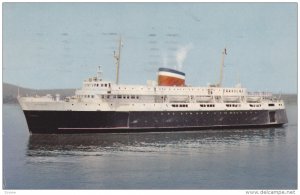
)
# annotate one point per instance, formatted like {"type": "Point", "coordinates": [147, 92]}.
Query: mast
{"type": "Point", "coordinates": [117, 56]}
{"type": "Point", "coordinates": [221, 68]}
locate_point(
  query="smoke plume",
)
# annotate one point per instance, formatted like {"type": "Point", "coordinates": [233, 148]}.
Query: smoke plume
{"type": "Point", "coordinates": [181, 54]}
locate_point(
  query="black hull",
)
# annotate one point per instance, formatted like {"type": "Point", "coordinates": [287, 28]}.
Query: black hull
{"type": "Point", "coordinates": [123, 122]}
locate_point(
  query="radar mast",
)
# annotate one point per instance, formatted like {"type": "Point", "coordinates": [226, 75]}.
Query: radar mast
{"type": "Point", "coordinates": [117, 56]}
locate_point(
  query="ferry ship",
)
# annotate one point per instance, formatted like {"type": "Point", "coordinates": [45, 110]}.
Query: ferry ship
{"type": "Point", "coordinates": [167, 104]}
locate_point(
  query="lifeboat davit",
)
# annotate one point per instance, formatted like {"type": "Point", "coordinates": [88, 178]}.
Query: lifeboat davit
{"type": "Point", "coordinates": [170, 77]}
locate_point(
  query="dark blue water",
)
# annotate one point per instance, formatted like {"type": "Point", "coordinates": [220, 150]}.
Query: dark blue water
{"type": "Point", "coordinates": [230, 159]}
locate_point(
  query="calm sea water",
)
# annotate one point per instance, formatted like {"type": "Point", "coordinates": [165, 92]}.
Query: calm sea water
{"type": "Point", "coordinates": [229, 159]}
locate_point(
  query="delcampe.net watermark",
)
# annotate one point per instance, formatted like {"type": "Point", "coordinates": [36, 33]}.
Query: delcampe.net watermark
{"type": "Point", "coordinates": [270, 192]}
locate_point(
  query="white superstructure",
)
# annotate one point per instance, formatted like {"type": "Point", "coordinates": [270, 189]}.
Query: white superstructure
{"type": "Point", "coordinates": [97, 94]}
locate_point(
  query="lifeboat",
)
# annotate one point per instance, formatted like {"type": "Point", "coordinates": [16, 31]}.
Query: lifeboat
{"type": "Point", "coordinates": [178, 99]}
{"type": "Point", "coordinates": [253, 98]}
{"type": "Point", "coordinates": [203, 98]}
{"type": "Point", "coordinates": [170, 77]}
{"type": "Point", "coordinates": [230, 98]}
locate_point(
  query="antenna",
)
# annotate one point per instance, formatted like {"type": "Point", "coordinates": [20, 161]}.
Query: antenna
{"type": "Point", "coordinates": [221, 68]}
{"type": "Point", "coordinates": [99, 73]}
{"type": "Point", "coordinates": [117, 56]}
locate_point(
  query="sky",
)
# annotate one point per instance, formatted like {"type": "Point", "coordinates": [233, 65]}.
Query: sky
{"type": "Point", "coordinates": [58, 45]}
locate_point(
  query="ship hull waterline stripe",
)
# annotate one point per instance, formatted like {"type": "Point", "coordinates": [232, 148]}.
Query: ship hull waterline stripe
{"type": "Point", "coordinates": [187, 127]}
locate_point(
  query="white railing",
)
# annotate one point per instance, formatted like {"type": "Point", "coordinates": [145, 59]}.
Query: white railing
{"type": "Point", "coordinates": [264, 94]}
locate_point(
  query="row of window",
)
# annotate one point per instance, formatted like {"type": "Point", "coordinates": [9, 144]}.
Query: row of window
{"type": "Point", "coordinates": [111, 96]}
{"type": "Point", "coordinates": [165, 89]}
{"type": "Point", "coordinates": [207, 105]}
{"type": "Point", "coordinates": [197, 113]}
{"type": "Point", "coordinates": [233, 105]}
{"type": "Point", "coordinates": [182, 89]}
{"type": "Point", "coordinates": [233, 90]}
{"type": "Point", "coordinates": [98, 85]}
{"type": "Point", "coordinates": [85, 96]}
{"type": "Point", "coordinates": [186, 105]}
{"type": "Point", "coordinates": [255, 105]}
{"type": "Point", "coordinates": [180, 105]}
{"type": "Point", "coordinates": [120, 97]}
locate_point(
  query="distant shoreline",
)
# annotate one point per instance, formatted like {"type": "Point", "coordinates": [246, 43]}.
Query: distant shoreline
{"type": "Point", "coordinates": [10, 92]}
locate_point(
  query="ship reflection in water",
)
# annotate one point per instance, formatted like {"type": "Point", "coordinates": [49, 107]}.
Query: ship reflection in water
{"type": "Point", "coordinates": [100, 144]}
